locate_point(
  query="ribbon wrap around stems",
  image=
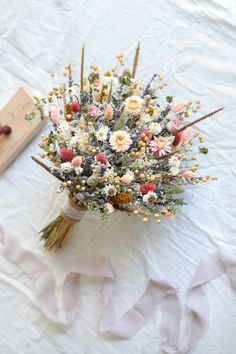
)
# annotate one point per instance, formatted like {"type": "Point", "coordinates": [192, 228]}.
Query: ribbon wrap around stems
{"type": "Point", "coordinates": [158, 291]}
{"type": "Point", "coordinates": [59, 230]}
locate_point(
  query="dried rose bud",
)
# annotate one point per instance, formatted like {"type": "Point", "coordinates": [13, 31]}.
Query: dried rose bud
{"type": "Point", "coordinates": [75, 106]}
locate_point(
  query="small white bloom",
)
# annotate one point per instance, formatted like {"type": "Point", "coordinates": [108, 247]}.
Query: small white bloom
{"type": "Point", "coordinates": [102, 133]}
{"type": "Point", "coordinates": [155, 128]}
{"type": "Point", "coordinates": [106, 80]}
{"type": "Point", "coordinates": [150, 197]}
{"type": "Point", "coordinates": [174, 170]}
{"type": "Point", "coordinates": [73, 142]}
{"type": "Point", "coordinates": [109, 173]}
{"type": "Point", "coordinates": [78, 170]}
{"type": "Point", "coordinates": [65, 131]}
{"type": "Point", "coordinates": [110, 190]}
{"type": "Point", "coordinates": [146, 118]}
{"type": "Point", "coordinates": [70, 91]}
{"type": "Point", "coordinates": [174, 161]}
{"type": "Point", "coordinates": [66, 167]}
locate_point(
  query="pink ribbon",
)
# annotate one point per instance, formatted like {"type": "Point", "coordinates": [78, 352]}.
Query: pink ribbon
{"type": "Point", "coordinates": [159, 291]}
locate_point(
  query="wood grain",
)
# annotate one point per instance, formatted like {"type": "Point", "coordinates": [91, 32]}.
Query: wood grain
{"type": "Point", "coordinates": [23, 131]}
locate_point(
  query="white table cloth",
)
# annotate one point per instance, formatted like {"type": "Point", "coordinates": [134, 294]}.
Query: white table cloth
{"type": "Point", "coordinates": [192, 43]}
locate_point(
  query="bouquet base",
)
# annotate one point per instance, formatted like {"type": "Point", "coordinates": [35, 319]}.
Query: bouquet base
{"type": "Point", "coordinates": [57, 233]}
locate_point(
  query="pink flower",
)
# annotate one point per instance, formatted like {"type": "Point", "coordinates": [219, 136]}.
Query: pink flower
{"type": "Point", "coordinates": [179, 106]}
{"type": "Point", "coordinates": [77, 161]}
{"type": "Point", "coordinates": [178, 137]}
{"type": "Point", "coordinates": [188, 174]}
{"type": "Point", "coordinates": [66, 154]}
{"type": "Point", "coordinates": [186, 134]}
{"type": "Point", "coordinates": [108, 114]}
{"type": "Point", "coordinates": [55, 115]}
{"type": "Point", "coordinates": [126, 179]}
{"type": "Point", "coordinates": [101, 157]}
{"type": "Point", "coordinates": [168, 214]}
{"type": "Point", "coordinates": [93, 111]}
{"type": "Point", "coordinates": [160, 145]}
{"type": "Point", "coordinates": [75, 106]}
{"type": "Point", "coordinates": [174, 124]}
{"type": "Point", "coordinates": [109, 208]}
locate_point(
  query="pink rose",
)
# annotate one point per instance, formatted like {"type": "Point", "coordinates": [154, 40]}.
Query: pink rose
{"type": "Point", "coordinates": [93, 111]}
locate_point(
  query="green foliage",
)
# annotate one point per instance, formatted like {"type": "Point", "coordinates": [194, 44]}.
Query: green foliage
{"type": "Point", "coordinates": [203, 150]}
{"type": "Point", "coordinates": [169, 99]}
{"type": "Point", "coordinates": [121, 121]}
{"type": "Point", "coordinates": [30, 116]}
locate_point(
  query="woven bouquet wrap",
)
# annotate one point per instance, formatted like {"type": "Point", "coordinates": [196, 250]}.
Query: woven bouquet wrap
{"type": "Point", "coordinates": [116, 143]}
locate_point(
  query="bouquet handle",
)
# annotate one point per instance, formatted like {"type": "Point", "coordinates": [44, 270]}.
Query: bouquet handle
{"type": "Point", "coordinates": [59, 230]}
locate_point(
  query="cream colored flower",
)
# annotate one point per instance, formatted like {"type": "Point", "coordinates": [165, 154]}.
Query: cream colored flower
{"type": "Point", "coordinates": [155, 128]}
{"type": "Point", "coordinates": [134, 105]}
{"type": "Point", "coordinates": [120, 140]}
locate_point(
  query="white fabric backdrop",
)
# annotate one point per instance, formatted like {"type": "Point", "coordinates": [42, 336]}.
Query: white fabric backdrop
{"type": "Point", "coordinates": [193, 44]}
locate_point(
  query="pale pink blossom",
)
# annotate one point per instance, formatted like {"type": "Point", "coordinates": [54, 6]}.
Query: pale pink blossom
{"type": "Point", "coordinates": [126, 179]}
{"type": "Point", "coordinates": [186, 134]}
{"type": "Point", "coordinates": [108, 114]}
{"type": "Point", "coordinates": [93, 111]}
{"type": "Point", "coordinates": [160, 145]}
{"type": "Point", "coordinates": [179, 106]}
{"type": "Point", "coordinates": [168, 214]}
{"type": "Point", "coordinates": [109, 207]}
{"type": "Point", "coordinates": [77, 161]}
{"type": "Point", "coordinates": [55, 115]}
{"type": "Point", "coordinates": [188, 174]}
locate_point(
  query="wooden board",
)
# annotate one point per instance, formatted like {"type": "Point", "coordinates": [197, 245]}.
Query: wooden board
{"type": "Point", "coordinates": [23, 131]}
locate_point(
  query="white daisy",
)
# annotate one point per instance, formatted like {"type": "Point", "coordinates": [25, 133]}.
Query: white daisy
{"type": "Point", "coordinates": [110, 190]}
{"type": "Point", "coordinates": [101, 133]}
{"type": "Point", "coordinates": [150, 197]}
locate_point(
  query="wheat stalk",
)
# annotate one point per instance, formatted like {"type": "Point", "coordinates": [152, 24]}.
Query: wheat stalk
{"type": "Point", "coordinates": [82, 70]}
{"type": "Point", "coordinates": [136, 58]}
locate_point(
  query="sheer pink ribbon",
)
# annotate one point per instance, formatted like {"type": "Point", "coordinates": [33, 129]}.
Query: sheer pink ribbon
{"type": "Point", "coordinates": [158, 291]}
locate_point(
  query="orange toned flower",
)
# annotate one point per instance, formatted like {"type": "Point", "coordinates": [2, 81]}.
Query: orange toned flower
{"type": "Point", "coordinates": [108, 114]}
{"type": "Point", "coordinates": [122, 198]}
